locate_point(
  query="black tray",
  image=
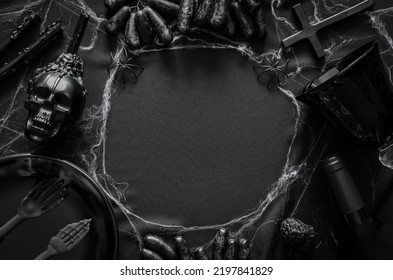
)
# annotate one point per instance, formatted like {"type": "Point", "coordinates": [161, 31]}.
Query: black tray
{"type": "Point", "coordinates": [18, 174]}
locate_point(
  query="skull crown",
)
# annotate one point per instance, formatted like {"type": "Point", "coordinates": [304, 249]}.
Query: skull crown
{"type": "Point", "coordinates": [56, 99]}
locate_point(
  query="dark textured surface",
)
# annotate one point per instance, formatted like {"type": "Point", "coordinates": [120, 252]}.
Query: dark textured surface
{"type": "Point", "coordinates": [199, 139]}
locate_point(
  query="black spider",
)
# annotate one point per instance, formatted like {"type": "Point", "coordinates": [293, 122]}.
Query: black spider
{"type": "Point", "coordinates": [273, 68]}
{"type": "Point", "coordinates": [124, 65]}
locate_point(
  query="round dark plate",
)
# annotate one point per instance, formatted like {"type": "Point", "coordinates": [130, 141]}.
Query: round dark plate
{"type": "Point", "coordinates": [18, 174]}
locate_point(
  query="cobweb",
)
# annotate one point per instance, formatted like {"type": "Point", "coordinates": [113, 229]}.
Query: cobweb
{"type": "Point", "coordinates": [295, 172]}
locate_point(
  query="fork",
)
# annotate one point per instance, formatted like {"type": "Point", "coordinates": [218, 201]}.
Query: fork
{"type": "Point", "coordinates": [45, 195]}
{"type": "Point", "coordinates": [66, 239]}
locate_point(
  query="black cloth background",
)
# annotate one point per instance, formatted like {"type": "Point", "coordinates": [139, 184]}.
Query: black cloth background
{"type": "Point", "coordinates": [199, 140]}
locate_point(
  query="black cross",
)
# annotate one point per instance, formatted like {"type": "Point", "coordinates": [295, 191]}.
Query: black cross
{"type": "Point", "coordinates": [309, 30]}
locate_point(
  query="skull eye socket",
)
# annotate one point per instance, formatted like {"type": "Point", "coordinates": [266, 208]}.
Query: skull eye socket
{"type": "Point", "coordinates": [33, 106]}
{"type": "Point", "coordinates": [41, 94]}
{"type": "Point", "coordinates": [62, 102]}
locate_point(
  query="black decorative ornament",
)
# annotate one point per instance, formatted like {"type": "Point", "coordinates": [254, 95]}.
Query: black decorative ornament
{"type": "Point", "coordinates": [297, 234]}
{"type": "Point", "coordinates": [34, 49]}
{"type": "Point", "coordinates": [29, 20]}
{"type": "Point", "coordinates": [272, 68]}
{"type": "Point", "coordinates": [56, 95]}
{"type": "Point", "coordinates": [310, 30]}
{"type": "Point", "coordinates": [124, 66]}
{"type": "Point", "coordinates": [56, 98]}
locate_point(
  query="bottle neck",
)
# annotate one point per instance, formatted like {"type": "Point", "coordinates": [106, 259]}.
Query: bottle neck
{"type": "Point", "coordinates": [358, 217]}
{"type": "Point", "coordinates": [345, 191]}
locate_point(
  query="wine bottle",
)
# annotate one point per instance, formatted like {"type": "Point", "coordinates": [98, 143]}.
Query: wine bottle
{"type": "Point", "coordinates": [351, 203]}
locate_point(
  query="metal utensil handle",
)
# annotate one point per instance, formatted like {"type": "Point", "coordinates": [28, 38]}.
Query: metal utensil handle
{"type": "Point", "coordinates": [44, 255]}
{"type": "Point", "coordinates": [10, 225]}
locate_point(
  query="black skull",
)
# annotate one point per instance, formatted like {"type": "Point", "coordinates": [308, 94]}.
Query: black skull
{"type": "Point", "coordinates": [56, 99]}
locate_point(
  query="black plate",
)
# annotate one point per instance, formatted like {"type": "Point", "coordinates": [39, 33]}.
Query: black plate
{"type": "Point", "coordinates": [18, 174]}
